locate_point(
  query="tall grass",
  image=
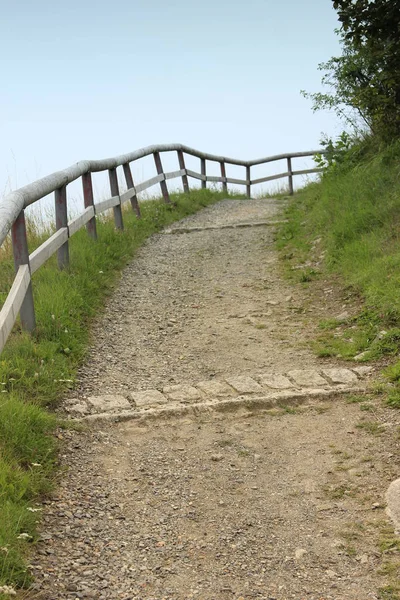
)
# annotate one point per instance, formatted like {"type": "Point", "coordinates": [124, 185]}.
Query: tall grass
{"type": "Point", "coordinates": [354, 212]}
{"type": "Point", "coordinates": [35, 371]}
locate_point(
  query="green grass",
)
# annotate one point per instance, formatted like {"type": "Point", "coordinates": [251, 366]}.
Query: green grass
{"type": "Point", "coordinates": [36, 371]}
{"type": "Point", "coordinates": [348, 225]}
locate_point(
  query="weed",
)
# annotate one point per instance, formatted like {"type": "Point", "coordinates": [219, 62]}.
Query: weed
{"type": "Point", "coordinates": [225, 443]}
{"type": "Point", "coordinates": [371, 427]}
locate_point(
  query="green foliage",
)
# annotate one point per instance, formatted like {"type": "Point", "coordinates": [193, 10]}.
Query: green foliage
{"type": "Point", "coordinates": [356, 213]}
{"type": "Point", "coordinates": [365, 79]}
{"type": "Point", "coordinates": [36, 371]}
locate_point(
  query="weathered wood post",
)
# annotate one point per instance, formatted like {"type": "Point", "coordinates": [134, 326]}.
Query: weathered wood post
{"type": "Point", "coordinates": [248, 182]}
{"type": "Point", "coordinates": [60, 198]}
{"type": "Point", "coordinates": [88, 200]}
{"type": "Point", "coordinates": [290, 176]}
{"type": "Point", "coordinates": [185, 181]}
{"type": "Point", "coordinates": [223, 175]}
{"type": "Point", "coordinates": [130, 185]}
{"type": "Point", "coordinates": [203, 172]}
{"type": "Point", "coordinates": [113, 177]}
{"type": "Point", "coordinates": [163, 185]}
{"type": "Point", "coordinates": [21, 257]}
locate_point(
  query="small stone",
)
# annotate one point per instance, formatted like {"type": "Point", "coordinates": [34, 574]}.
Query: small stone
{"type": "Point", "coordinates": [217, 457]}
{"type": "Point", "coordinates": [362, 356]}
{"type": "Point", "coordinates": [340, 376]}
{"type": "Point", "coordinates": [331, 573]}
{"type": "Point", "coordinates": [306, 378]}
{"type": "Point", "coordinates": [215, 388]}
{"type": "Point", "coordinates": [182, 393]}
{"type": "Point", "coordinates": [148, 398]}
{"type": "Point", "coordinates": [108, 403]}
{"type": "Point", "coordinates": [277, 382]}
{"type": "Point", "coordinates": [343, 316]}
{"type": "Point", "coordinates": [244, 384]}
{"type": "Point", "coordinates": [300, 552]}
{"type": "Point", "coordinates": [362, 371]}
{"type": "Point", "coordinates": [79, 408]}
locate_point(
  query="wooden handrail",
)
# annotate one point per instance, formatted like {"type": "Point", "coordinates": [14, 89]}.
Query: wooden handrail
{"type": "Point", "coordinates": [13, 205]}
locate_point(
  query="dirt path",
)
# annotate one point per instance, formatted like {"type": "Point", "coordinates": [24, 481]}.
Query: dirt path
{"type": "Point", "coordinates": [271, 504]}
{"type": "Point", "coordinates": [202, 304]}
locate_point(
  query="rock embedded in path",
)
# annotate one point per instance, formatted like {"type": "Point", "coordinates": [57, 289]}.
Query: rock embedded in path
{"type": "Point", "coordinates": [307, 378]}
{"type": "Point", "coordinates": [244, 384]}
{"type": "Point", "coordinates": [109, 403]}
{"type": "Point", "coordinates": [182, 393]}
{"type": "Point", "coordinates": [148, 398]}
{"type": "Point", "coordinates": [393, 503]}
{"type": "Point", "coordinates": [340, 376]}
{"type": "Point", "coordinates": [215, 388]}
{"type": "Point", "coordinates": [275, 381]}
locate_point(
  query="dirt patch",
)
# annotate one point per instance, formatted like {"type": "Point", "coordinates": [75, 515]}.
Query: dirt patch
{"type": "Point", "coordinates": [278, 505]}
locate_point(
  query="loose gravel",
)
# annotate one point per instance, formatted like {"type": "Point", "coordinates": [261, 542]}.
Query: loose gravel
{"type": "Point", "coordinates": [276, 504]}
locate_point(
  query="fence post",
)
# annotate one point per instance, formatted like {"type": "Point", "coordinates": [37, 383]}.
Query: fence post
{"type": "Point", "coordinates": [185, 181]}
{"type": "Point", "coordinates": [130, 185]}
{"type": "Point", "coordinates": [203, 172]}
{"type": "Point", "coordinates": [60, 197]}
{"type": "Point", "coordinates": [248, 182]}
{"type": "Point", "coordinates": [163, 185]}
{"type": "Point", "coordinates": [89, 201]}
{"type": "Point", "coordinates": [290, 176]}
{"type": "Point", "coordinates": [223, 175]}
{"type": "Point", "coordinates": [21, 257]}
{"type": "Point", "coordinates": [112, 174]}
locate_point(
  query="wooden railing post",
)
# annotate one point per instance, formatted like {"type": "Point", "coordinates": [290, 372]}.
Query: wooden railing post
{"type": "Point", "coordinates": [185, 181]}
{"type": "Point", "coordinates": [223, 175]}
{"type": "Point", "coordinates": [290, 177]}
{"type": "Point", "coordinates": [60, 197]}
{"type": "Point", "coordinates": [112, 174]}
{"type": "Point", "coordinates": [130, 185]}
{"type": "Point", "coordinates": [248, 182]}
{"type": "Point", "coordinates": [203, 172]}
{"type": "Point", "coordinates": [21, 257]}
{"type": "Point", "coordinates": [163, 185]}
{"type": "Point", "coordinates": [88, 200]}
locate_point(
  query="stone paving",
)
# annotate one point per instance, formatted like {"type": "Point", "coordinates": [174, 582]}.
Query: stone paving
{"type": "Point", "coordinates": [263, 390]}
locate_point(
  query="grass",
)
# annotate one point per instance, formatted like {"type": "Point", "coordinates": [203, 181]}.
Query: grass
{"type": "Point", "coordinates": [346, 228]}
{"type": "Point", "coordinates": [36, 371]}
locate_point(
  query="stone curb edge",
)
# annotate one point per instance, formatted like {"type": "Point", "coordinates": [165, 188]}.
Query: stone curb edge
{"type": "Point", "coordinates": [278, 400]}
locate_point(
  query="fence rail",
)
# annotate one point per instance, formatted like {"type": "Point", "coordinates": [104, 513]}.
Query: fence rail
{"type": "Point", "coordinates": [12, 210]}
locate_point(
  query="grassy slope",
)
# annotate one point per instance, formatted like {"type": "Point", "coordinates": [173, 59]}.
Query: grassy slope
{"type": "Point", "coordinates": [36, 371]}
{"type": "Point", "coordinates": [354, 214]}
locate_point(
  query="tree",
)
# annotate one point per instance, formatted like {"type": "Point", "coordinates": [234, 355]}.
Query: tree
{"type": "Point", "coordinates": [366, 78]}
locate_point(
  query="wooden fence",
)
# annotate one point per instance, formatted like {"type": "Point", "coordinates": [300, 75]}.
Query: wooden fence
{"type": "Point", "coordinates": [12, 207]}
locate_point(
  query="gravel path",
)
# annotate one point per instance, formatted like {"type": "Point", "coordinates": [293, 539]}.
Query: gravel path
{"type": "Point", "coordinates": [199, 305]}
{"type": "Point", "coordinates": [275, 504]}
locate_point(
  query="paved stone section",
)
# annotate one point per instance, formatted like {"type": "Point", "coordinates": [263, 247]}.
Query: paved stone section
{"type": "Point", "coordinates": [110, 402]}
{"type": "Point", "coordinates": [393, 503]}
{"type": "Point", "coordinates": [147, 398]}
{"type": "Point", "coordinates": [340, 376]}
{"type": "Point", "coordinates": [307, 378]}
{"type": "Point", "coordinates": [215, 388]}
{"type": "Point", "coordinates": [278, 382]}
{"type": "Point", "coordinates": [244, 384]}
{"type": "Point", "coordinates": [217, 227]}
{"type": "Point", "coordinates": [264, 389]}
{"type": "Point", "coordinates": [182, 393]}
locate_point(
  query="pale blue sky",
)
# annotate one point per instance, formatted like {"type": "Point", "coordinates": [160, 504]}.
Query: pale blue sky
{"type": "Point", "coordinates": [90, 79]}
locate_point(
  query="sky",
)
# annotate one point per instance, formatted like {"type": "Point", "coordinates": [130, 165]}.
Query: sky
{"type": "Point", "coordinates": [89, 79]}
